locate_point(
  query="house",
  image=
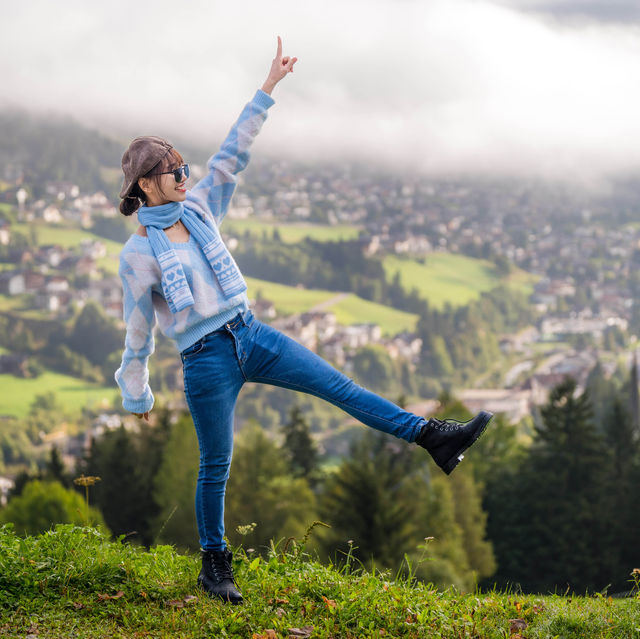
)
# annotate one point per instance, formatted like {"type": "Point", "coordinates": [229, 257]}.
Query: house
{"type": "Point", "coordinates": [12, 283]}
{"type": "Point", "coordinates": [14, 364]}
{"type": "Point", "coordinates": [264, 310]}
{"type": "Point", "coordinates": [62, 190]}
{"type": "Point", "coordinates": [52, 215]}
{"type": "Point", "coordinates": [51, 254]}
{"type": "Point", "coordinates": [33, 281]}
{"type": "Point", "coordinates": [515, 404]}
{"type": "Point", "coordinates": [52, 302]}
{"type": "Point", "coordinates": [57, 284]}
{"type": "Point", "coordinates": [6, 485]}
{"type": "Point", "coordinates": [5, 232]}
{"type": "Point", "coordinates": [93, 248]}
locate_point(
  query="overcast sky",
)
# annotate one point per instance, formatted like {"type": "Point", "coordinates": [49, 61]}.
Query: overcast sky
{"type": "Point", "coordinates": [519, 86]}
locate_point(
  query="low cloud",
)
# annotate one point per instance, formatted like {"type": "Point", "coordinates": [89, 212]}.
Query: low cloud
{"type": "Point", "coordinates": [601, 11]}
{"type": "Point", "coordinates": [444, 86]}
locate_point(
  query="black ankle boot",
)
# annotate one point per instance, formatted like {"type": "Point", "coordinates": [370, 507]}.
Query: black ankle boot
{"type": "Point", "coordinates": [447, 439]}
{"type": "Point", "coordinates": [216, 576]}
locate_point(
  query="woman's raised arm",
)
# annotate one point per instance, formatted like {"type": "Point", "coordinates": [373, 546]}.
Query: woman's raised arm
{"type": "Point", "coordinates": [211, 195]}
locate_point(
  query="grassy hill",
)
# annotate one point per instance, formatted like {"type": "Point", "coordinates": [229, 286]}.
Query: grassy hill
{"type": "Point", "coordinates": [348, 308]}
{"type": "Point", "coordinates": [73, 582]}
{"type": "Point", "coordinates": [73, 393]}
{"type": "Point", "coordinates": [66, 237]}
{"type": "Point", "coordinates": [291, 233]}
{"type": "Point", "coordinates": [454, 279]}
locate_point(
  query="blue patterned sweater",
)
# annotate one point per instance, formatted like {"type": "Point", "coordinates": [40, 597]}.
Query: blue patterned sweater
{"type": "Point", "coordinates": [143, 300]}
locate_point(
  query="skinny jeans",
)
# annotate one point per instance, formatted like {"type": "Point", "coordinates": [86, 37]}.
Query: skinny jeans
{"type": "Point", "coordinates": [247, 350]}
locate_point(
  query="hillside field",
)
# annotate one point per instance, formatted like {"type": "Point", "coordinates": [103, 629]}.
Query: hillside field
{"type": "Point", "coordinates": [454, 279]}
{"type": "Point", "coordinates": [70, 237]}
{"type": "Point", "coordinates": [348, 308]}
{"type": "Point", "coordinates": [290, 233]}
{"type": "Point", "coordinates": [72, 393]}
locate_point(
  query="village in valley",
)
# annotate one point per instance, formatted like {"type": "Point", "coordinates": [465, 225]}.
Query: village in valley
{"type": "Point", "coordinates": [581, 299]}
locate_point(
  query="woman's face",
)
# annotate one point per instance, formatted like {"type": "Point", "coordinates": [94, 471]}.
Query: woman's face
{"type": "Point", "coordinates": [163, 188]}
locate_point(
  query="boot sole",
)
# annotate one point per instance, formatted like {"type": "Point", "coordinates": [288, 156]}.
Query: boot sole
{"type": "Point", "coordinates": [480, 428]}
{"type": "Point", "coordinates": [215, 595]}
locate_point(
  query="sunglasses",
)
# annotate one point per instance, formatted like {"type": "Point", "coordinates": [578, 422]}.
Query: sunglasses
{"type": "Point", "coordinates": [177, 173]}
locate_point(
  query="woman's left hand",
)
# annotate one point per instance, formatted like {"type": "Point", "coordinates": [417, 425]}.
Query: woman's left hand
{"type": "Point", "coordinates": [279, 68]}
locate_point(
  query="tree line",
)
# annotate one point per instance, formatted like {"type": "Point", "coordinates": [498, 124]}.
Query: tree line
{"type": "Point", "coordinates": [560, 512]}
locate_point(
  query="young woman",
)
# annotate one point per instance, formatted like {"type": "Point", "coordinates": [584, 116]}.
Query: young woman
{"type": "Point", "coordinates": [177, 271]}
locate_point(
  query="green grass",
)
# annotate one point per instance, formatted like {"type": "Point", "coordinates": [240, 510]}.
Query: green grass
{"type": "Point", "coordinates": [355, 310]}
{"type": "Point", "coordinates": [455, 279]}
{"type": "Point", "coordinates": [348, 310]}
{"type": "Point", "coordinates": [73, 582]}
{"type": "Point", "coordinates": [291, 233]}
{"type": "Point", "coordinates": [287, 299]}
{"type": "Point", "coordinates": [11, 302]}
{"type": "Point", "coordinates": [71, 237]}
{"type": "Point", "coordinates": [72, 393]}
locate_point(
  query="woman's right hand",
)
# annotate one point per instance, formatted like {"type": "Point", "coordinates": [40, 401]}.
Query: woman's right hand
{"type": "Point", "coordinates": [142, 415]}
{"type": "Point", "coordinates": [280, 66]}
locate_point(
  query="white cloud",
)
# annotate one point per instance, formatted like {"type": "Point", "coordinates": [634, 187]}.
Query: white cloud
{"type": "Point", "coordinates": [445, 85]}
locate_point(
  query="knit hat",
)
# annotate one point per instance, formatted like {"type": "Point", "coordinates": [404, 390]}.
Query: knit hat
{"type": "Point", "coordinates": [141, 156]}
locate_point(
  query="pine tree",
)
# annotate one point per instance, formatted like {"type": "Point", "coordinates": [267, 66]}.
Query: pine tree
{"type": "Point", "coordinates": [634, 398]}
{"type": "Point", "coordinates": [54, 469]}
{"type": "Point", "coordinates": [623, 503]}
{"type": "Point", "coordinates": [175, 487]}
{"type": "Point", "coordinates": [127, 462]}
{"type": "Point", "coordinates": [472, 521]}
{"type": "Point", "coordinates": [548, 520]}
{"type": "Point", "coordinates": [299, 445]}
{"type": "Point", "coordinates": [369, 501]}
{"type": "Point", "coordinates": [261, 490]}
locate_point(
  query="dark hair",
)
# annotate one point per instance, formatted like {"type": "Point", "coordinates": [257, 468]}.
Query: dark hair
{"type": "Point", "coordinates": [130, 204]}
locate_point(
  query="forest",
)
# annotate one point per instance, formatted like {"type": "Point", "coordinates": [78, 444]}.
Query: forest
{"type": "Point", "coordinates": [558, 513]}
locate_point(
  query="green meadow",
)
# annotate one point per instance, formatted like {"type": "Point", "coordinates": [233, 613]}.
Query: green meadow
{"type": "Point", "coordinates": [348, 308]}
{"type": "Point", "coordinates": [291, 233]}
{"type": "Point", "coordinates": [454, 279]}
{"type": "Point", "coordinates": [71, 237]}
{"type": "Point", "coordinates": [74, 394]}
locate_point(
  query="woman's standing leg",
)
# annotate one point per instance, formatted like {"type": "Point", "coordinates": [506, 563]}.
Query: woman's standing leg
{"type": "Point", "coordinates": [212, 381]}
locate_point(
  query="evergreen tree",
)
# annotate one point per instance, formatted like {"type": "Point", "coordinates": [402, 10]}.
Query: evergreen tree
{"type": "Point", "coordinates": [128, 462]}
{"type": "Point", "coordinates": [175, 487]}
{"type": "Point", "coordinates": [602, 391]}
{"type": "Point", "coordinates": [94, 335]}
{"type": "Point", "coordinates": [548, 521]}
{"type": "Point", "coordinates": [54, 469]}
{"type": "Point", "coordinates": [623, 514]}
{"type": "Point", "coordinates": [443, 561]}
{"type": "Point", "coordinates": [370, 501]}
{"type": "Point", "coordinates": [634, 398]}
{"type": "Point", "coordinates": [373, 367]}
{"type": "Point", "coordinates": [472, 521]}
{"type": "Point", "coordinates": [299, 445]}
{"type": "Point", "coordinates": [261, 490]}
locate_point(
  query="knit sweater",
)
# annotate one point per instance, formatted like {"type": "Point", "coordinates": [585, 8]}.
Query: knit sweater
{"type": "Point", "coordinates": [144, 304]}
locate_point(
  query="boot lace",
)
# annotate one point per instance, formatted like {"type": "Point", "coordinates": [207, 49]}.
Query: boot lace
{"type": "Point", "coordinates": [221, 566]}
{"type": "Point", "coordinates": [447, 425]}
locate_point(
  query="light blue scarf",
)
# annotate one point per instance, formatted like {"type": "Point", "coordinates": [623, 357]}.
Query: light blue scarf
{"type": "Point", "coordinates": [174, 282]}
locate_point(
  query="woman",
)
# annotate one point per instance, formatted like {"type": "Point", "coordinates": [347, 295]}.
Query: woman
{"type": "Point", "coordinates": [176, 269]}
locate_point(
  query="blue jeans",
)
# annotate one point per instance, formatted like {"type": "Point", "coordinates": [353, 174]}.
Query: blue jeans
{"type": "Point", "coordinates": [246, 350]}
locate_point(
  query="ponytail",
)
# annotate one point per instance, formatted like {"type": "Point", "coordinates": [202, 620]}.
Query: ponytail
{"type": "Point", "coordinates": [130, 204]}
